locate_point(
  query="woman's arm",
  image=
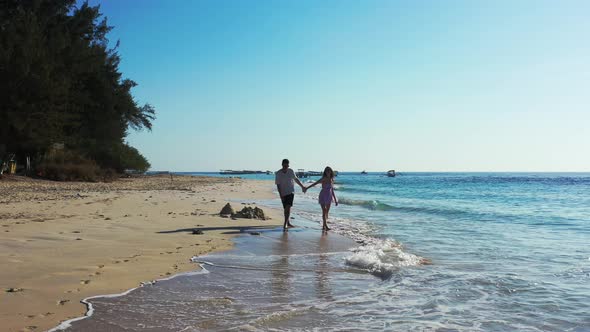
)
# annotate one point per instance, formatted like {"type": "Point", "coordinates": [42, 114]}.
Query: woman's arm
{"type": "Point", "coordinates": [318, 181]}
{"type": "Point", "coordinates": [334, 195]}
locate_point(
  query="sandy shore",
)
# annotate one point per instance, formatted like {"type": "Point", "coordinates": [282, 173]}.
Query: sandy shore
{"type": "Point", "coordinates": [62, 242]}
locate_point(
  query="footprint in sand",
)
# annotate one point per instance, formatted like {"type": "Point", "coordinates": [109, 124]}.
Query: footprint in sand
{"type": "Point", "coordinates": [62, 302]}
{"type": "Point", "coordinates": [84, 282]}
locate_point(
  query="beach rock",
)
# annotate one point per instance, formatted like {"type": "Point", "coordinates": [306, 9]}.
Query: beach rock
{"type": "Point", "coordinates": [197, 232]}
{"type": "Point", "coordinates": [226, 211]}
{"type": "Point", "coordinates": [250, 213]}
{"type": "Point", "coordinates": [254, 233]}
{"type": "Point", "coordinates": [14, 290]}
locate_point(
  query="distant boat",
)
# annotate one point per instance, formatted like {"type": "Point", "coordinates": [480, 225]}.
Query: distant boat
{"type": "Point", "coordinates": [364, 172]}
{"type": "Point", "coordinates": [391, 173]}
{"type": "Point", "coordinates": [301, 173]}
{"type": "Point", "coordinates": [232, 172]}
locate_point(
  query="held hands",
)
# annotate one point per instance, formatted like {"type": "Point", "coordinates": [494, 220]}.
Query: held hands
{"type": "Point", "coordinates": [304, 189]}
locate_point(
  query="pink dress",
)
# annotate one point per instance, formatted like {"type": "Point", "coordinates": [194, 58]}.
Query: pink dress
{"type": "Point", "coordinates": [325, 197]}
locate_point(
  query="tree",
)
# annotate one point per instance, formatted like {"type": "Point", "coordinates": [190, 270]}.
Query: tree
{"type": "Point", "coordinates": [60, 82]}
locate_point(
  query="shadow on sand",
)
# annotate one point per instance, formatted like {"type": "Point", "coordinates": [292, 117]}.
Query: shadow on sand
{"type": "Point", "coordinates": [227, 229]}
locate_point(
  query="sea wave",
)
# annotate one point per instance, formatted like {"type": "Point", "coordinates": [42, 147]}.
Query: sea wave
{"type": "Point", "coordinates": [534, 219]}
{"type": "Point", "coordinates": [383, 258]}
{"type": "Point", "coordinates": [369, 204]}
{"type": "Point", "coordinates": [380, 206]}
{"type": "Point", "coordinates": [380, 257]}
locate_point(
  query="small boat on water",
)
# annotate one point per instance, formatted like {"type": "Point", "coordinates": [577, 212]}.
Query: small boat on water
{"type": "Point", "coordinates": [391, 173]}
{"type": "Point", "coordinates": [301, 173]}
{"type": "Point", "coordinates": [232, 172]}
{"type": "Point", "coordinates": [364, 173]}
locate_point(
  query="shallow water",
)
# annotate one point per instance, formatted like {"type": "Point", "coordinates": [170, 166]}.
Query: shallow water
{"type": "Point", "coordinates": [430, 252]}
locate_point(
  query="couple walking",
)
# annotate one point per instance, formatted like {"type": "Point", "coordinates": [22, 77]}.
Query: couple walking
{"type": "Point", "coordinates": [285, 180]}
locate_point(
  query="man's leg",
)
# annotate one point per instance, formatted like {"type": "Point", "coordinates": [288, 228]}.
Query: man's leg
{"type": "Point", "coordinates": [287, 204]}
{"type": "Point", "coordinates": [287, 211]}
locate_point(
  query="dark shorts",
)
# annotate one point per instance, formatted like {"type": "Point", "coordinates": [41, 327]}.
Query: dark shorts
{"type": "Point", "coordinates": [287, 200]}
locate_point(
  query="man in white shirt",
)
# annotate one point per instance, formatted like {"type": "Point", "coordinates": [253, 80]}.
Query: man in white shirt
{"type": "Point", "coordinates": [284, 179]}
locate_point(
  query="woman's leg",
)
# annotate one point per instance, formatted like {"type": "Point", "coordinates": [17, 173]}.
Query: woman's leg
{"type": "Point", "coordinates": [326, 218]}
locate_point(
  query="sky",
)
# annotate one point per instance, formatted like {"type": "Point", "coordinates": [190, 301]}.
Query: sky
{"type": "Point", "coordinates": [359, 85]}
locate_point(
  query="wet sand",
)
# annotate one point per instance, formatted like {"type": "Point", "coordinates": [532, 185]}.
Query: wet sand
{"type": "Point", "coordinates": [62, 242]}
{"type": "Point", "coordinates": [271, 280]}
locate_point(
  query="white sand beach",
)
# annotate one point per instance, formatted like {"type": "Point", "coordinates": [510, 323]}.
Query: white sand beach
{"type": "Point", "coordinates": [62, 242]}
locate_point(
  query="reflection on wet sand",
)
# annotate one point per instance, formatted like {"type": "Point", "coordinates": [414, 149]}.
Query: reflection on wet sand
{"type": "Point", "coordinates": [323, 289]}
{"type": "Point", "coordinates": [280, 283]}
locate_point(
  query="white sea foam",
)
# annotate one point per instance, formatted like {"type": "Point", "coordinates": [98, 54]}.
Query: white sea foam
{"type": "Point", "coordinates": [380, 257]}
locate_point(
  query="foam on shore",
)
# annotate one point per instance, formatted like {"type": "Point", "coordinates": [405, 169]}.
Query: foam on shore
{"type": "Point", "coordinates": [380, 257]}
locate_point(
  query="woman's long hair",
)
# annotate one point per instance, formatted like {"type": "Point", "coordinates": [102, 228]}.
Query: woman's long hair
{"type": "Point", "coordinates": [326, 170]}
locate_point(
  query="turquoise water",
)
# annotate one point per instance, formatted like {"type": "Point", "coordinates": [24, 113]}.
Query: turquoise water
{"type": "Point", "coordinates": [508, 250]}
{"type": "Point", "coordinates": [429, 252]}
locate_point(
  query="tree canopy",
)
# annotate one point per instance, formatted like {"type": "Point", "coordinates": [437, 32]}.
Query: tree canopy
{"type": "Point", "coordinates": [60, 83]}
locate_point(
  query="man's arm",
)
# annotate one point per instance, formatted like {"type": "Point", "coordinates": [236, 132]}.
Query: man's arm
{"type": "Point", "coordinates": [277, 183]}
{"type": "Point", "coordinates": [296, 179]}
{"type": "Point", "coordinates": [300, 184]}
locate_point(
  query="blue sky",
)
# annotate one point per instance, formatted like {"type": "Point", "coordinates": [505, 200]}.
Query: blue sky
{"type": "Point", "coordinates": [375, 85]}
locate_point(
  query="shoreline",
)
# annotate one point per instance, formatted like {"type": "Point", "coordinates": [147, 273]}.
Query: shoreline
{"type": "Point", "coordinates": [66, 242]}
{"type": "Point", "coordinates": [302, 253]}
{"type": "Point", "coordinates": [90, 309]}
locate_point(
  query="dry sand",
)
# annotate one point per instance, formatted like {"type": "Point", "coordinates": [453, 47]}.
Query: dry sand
{"type": "Point", "coordinates": [62, 242]}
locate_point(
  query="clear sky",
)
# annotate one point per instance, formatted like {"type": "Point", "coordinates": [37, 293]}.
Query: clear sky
{"type": "Point", "coordinates": [375, 85]}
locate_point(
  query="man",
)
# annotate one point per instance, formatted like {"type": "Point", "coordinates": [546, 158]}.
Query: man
{"type": "Point", "coordinates": [284, 179]}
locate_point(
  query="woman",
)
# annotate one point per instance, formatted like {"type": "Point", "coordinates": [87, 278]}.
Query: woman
{"type": "Point", "coordinates": [326, 195]}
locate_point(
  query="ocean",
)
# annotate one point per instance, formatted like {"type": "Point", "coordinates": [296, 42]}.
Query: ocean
{"type": "Point", "coordinates": [417, 252]}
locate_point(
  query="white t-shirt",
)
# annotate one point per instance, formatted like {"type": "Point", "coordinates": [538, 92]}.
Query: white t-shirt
{"type": "Point", "coordinates": [286, 181]}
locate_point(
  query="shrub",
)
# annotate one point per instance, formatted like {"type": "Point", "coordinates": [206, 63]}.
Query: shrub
{"type": "Point", "coordinates": [69, 166]}
{"type": "Point", "coordinates": [120, 157]}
